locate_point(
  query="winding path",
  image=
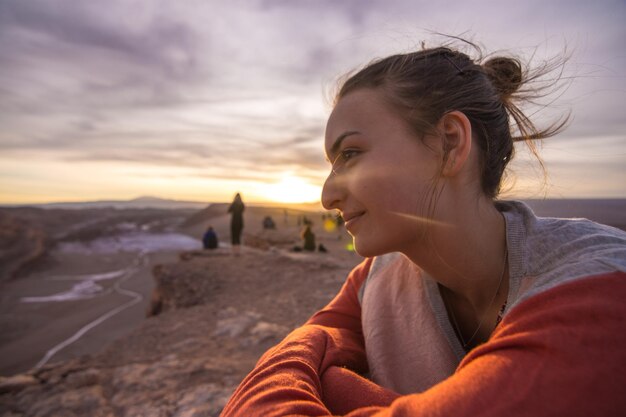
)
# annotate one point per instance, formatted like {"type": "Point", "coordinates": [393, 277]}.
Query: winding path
{"type": "Point", "coordinates": [135, 298]}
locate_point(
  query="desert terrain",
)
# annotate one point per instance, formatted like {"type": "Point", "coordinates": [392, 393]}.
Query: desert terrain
{"type": "Point", "coordinates": [118, 312]}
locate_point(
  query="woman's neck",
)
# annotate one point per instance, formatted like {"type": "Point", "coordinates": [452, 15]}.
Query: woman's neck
{"type": "Point", "coordinates": [467, 255]}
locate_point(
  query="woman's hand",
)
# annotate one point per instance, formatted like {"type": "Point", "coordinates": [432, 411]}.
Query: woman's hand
{"type": "Point", "coordinates": [321, 347]}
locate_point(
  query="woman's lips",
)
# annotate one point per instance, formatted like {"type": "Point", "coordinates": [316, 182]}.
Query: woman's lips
{"type": "Point", "coordinates": [351, 219]}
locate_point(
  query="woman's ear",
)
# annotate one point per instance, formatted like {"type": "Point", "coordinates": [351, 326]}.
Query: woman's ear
{"type": "Point", "coordinates": [457, 141]}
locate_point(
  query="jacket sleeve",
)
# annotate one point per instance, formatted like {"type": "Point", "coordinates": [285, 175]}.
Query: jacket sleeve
{"type": "Point", "coordinates": [558, 353]}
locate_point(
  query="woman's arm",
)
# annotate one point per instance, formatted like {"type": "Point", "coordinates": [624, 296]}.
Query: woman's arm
{"type": "Point", "coordinates": [558, 353]}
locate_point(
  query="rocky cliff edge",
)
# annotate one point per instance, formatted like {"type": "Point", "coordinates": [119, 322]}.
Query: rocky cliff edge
{"type": "Point", "coordinates": [212, 316]}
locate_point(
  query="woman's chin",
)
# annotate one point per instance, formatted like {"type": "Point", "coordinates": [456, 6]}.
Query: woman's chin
{"type": "Point", "coordinates": [368, 250]}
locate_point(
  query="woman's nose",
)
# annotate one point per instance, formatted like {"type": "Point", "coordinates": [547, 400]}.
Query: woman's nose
{"type": "Point", "coordinates": [331, 192]}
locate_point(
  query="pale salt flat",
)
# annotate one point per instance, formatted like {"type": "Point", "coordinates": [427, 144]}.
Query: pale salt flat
{"type": "Point", "coordinates": [140, 242]}
{"type": "Point", "coordinates": [80, 291]}
{"type": "Point", "coordinates": [90, 277]}
{"type": "Point", "coordinates": [134, 242]}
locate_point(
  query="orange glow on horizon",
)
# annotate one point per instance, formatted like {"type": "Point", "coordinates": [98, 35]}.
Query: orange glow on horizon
{"type": "Point", "coordinates": [292, 189]}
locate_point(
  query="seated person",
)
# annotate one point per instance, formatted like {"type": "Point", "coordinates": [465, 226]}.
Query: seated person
{"type": "Point", "coordinates": [209, 240]}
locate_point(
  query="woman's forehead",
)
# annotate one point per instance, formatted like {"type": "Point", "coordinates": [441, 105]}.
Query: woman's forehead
{"type": "Point", "coordinates": [366, 111]}
{"type": "Point", "coordinates": [361, 99]}
{"type": "Point", "coordinates": [355, 109]}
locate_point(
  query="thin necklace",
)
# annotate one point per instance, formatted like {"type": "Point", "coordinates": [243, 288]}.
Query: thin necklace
{"type": "Point", "coordinates": [482, 321]}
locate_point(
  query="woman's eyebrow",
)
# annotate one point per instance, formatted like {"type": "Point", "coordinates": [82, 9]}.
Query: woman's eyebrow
{"type": "Point", "coordinates": [337, 144]}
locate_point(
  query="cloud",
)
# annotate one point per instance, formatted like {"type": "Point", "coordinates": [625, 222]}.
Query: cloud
{"type": "Point", "coordinates": [240, 85]}
{"type": "Point", "coordinates": [84, 28]}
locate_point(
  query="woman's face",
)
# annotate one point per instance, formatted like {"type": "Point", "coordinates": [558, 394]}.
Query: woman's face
{"type": "Point", "coordinates": [382, 174]}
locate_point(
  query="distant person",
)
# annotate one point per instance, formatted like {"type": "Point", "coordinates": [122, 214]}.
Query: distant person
{"type": "Point", "coordinates": [308, 238]}
{"type": "Point", "coordinates": [465, 305]}
{"type": "Point", "coordinates": [209, 240]}
{"type": "Point", "coordinates": [236, 223]}
{"type": "Point", "coordinates": [308, 241]}
{"type": "Point", "coordinates": [268, 223]}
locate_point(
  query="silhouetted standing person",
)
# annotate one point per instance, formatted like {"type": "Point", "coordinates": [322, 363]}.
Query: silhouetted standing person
{"type": "Point", "coordinates": [236, 222]}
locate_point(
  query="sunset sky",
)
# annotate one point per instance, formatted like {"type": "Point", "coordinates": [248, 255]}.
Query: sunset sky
{"type": "Point", "coordinates": [196, 100]}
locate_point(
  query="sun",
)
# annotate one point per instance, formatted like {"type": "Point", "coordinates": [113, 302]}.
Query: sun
{"type": "Point", "coordinates": [292, 189]}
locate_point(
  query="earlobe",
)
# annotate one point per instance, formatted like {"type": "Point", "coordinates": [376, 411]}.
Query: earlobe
{"type": "Point", "coordinates": [457, 141]}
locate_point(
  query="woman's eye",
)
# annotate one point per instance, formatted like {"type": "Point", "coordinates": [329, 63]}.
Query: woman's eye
{"type": "Point", "coordinates": [342, 158]}
{"type": "Point", "coordinates": [348, 154]}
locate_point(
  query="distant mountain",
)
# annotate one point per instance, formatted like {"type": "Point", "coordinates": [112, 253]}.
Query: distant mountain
{"type": "Point", "coordinates": [138, 203]}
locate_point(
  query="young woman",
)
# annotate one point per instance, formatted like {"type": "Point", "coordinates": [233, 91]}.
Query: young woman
{"type": "Point", "coordinates": [465, 305]}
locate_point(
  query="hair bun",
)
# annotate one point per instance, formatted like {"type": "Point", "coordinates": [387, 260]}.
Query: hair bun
{"type": "Point", "coordinates": [505, 74]}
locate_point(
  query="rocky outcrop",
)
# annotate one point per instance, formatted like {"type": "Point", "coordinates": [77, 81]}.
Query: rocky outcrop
{"type": "Point", "coordinates": [182, 285]}
{"type": "Point", "coordinates": [22, 244]}
{"type": "Point", "coordinates": [218, 314]}
{"type": "Point", "coordinates": [271, 239]}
